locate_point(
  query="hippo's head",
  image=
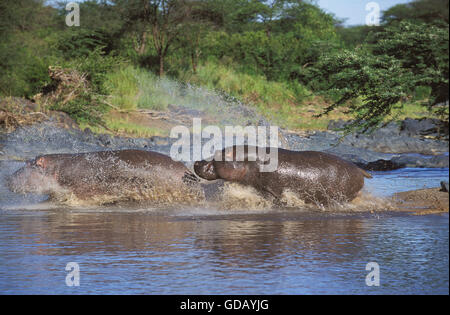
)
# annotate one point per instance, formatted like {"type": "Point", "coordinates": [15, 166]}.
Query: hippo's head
{"type": "Point", "coordinates": [206, 170]}
{"type": "Point", "coordinates": [211, 170]}
{"type": "Point", "coordinates": [233, 164]}
{"type": "Point", "coordinates": [37, 176]}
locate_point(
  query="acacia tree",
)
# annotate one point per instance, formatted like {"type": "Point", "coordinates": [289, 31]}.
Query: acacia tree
{"type": "Point", "coordinates": [383, 74]}
{"type": "Point", "coordinates": [201, 20]}
{"type": "Point", "coordinates": [428, 11]}
{"type": "Point", "coordinates": [160, 20]}
{"type": "Point", "coordinates": [166, 20]}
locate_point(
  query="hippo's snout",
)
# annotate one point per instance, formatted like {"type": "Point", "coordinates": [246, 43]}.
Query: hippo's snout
{"type": "Point", "coordinates": [30, 179]}
{"type": "Point", "coordinates": [14, 181]}
{"type": "Point", "coordinates": [205, 170]}
{"type": "Point", "coordinates": [21, 180]}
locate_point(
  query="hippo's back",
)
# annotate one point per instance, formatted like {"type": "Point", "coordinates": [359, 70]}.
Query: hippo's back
{"type": "Point", "coordinates": [141, 158]}
{"type": "Point", "coordinates": [319, 176]}
{"type": "Point", "coordinates": [117, 175]}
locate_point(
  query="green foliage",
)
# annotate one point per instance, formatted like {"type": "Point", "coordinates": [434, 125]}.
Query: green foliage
{"type": "Point", "coordinates": [23, 73]}
{"type": "Point", "coordinates": [24, 56]}
{"type": "Point", "coordinates": [421, 48]}
{"type": "Point", "coordinates": [122, 85]}
{"type": "Point", "coordinates": [380, 81]}
{"type": "Point", "coordinates": [428, 11]}
{"type": "Point", "coordinates": [79, 42]}
{"type": "Point", "coordinates": [156, 93]}
{"type": "Point", "coordinates": [399, 59]}
{"type": "Point", "coordinates": [253, 89]}
{"type": "Point", "coordinates": [87, 108]}
{"type": "Point", "coordinates": [281, 47]}
{"type": "Point", "coordinates": [133, 88]}
{"type": "Point", "coordinates": [353, 36]}
{"type": "Point", "coordinates": [96, 65]}
{"type": "Point", "coordinates": [89, 105]}
{"type": "Point", "coordinates": [271, 54]}
{"type": "Point", "coordinates": [22, 16]}
{"type": "Point", "coordinates": [100, 28]}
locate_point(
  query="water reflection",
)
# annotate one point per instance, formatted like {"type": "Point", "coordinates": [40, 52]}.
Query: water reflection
{"type": "Point", "coordinates": [212, 251]}
{"type": "Point", "coordinates": [143, 252]}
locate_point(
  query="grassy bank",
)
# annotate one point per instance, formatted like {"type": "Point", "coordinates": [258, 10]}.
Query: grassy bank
{"type": "Point", "coordinates": [133, 91]}
{"type": "Point", "coordinates": [211, 55]}
{"type": "Point", "coordinates": [289, 105]}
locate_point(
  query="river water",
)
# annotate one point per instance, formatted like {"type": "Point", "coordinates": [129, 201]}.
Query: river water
{"type": "Point", "coordinates": [193, 250]}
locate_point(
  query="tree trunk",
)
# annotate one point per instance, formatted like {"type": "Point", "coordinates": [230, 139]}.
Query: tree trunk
{"type": "Point", "coordinates": [194, 62]}
{"type": "Point", "coordinates": [142, 46]}
{"type": "Point", "coordinates": [161, 65]}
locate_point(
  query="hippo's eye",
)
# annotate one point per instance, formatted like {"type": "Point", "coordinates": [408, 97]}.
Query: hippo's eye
{"type": "Point", "coordinates": [40, 162]}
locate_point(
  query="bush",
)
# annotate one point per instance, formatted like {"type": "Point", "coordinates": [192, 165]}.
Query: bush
{"type": "Point", "coordinates": [398, 62]}
{"type": "Point", "coordinates": [96, 65]}
{"type": "Point", "coordinates": [23, 73]}
{"type": "Point", "coordinates": [88, 104]}
{"type": "Point", "coordinates": [86, 108]}
{"type": "Point", "coordinates": [76, 42]}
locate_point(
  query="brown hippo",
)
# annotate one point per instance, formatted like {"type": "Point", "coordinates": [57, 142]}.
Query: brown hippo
{"type": "Point", "coordinates": [107, 176]}
{"type": "Point", "coordinates": [315, 177]}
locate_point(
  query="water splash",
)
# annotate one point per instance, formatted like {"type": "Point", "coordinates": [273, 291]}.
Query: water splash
{"type": "Point", "coordinates": [193, 100]}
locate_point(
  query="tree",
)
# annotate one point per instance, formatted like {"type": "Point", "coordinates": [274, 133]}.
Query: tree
{"type": "Point", "coordinates": [201, 20]}
{"type": "Point", "coordinates": [312, 31]}
{"type": "Point", "coordinates": [353, 36]}
{"type": "Point", "coordinates": [235, 16]}
{"type": "Point", "coordinates": [428, 11]}
{"type": "Point", "coordinates": [386, 72]}
{"type": "Point", "coordinates": [162, 20]}
{"type": "Point", "coordinates": [422, 49]}
{"type": "Point", "coordinates": [23, 52]}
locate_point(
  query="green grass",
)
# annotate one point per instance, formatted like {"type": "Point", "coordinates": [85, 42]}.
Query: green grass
{"type": "Point", "coordinates": [288, 105]}
{"type": "Point", "coordinates": [120, 126]}
{"type": "Point", "coordinates": [280, 102]}
{"type": "Point", "coordinates": [413, 110]}
{"type": "Point", "coordinates": [124, 88]}
{"type": "Point", "coordinates": [253, 89]}
{"type": "Point", "coordinates": [131, 88]}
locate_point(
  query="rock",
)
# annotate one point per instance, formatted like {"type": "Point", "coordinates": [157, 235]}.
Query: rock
{"type": "Point", "coordinates": [337, 124]}
{"type": "Point", "coordinates": [87, 131]}
{"type": "Point", "coordinates": [104, 139]}
{"type": "Point", "coordinates": [444, 186]}
{"type": "Point", "coordinates": [423, 127]}
{"type": "Point", "coordinates": [424, 201]}
{"type": "Point", "coordinates": [386, 149]}
{"type": "Point", "coordinates": [411, 136]}
{"type": "Point", "coordinates": [382, 165]}
{"type": "Point", "coordinates": [440, 161]}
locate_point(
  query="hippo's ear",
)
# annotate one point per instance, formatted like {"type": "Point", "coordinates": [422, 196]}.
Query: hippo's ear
{"type": "Point", "coordinates": [263, 159]}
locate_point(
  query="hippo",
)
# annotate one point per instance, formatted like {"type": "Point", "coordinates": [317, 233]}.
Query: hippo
{"type": "Point", "coordinates": [315, 177]}
{"type": "Point", "coordinates": [107, 176]}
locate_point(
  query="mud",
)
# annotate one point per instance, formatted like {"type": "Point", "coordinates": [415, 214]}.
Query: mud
{"type": "Point", "coordinates": [422, 201]}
